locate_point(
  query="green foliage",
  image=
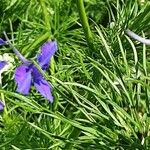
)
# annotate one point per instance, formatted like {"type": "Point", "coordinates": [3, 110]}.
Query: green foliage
{"type": "Point", "coordinates": [101, 98]}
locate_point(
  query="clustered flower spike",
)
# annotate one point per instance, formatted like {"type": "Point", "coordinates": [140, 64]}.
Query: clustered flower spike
{"type": "Point", "coordinates": [28, 74]}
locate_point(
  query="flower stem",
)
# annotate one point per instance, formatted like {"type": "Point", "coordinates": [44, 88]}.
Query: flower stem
{"type": "Point", "coordinates": [85, 24]}
{"type": "Point", "coordinates": [45, 15]}
{"type": "Point", "coordinates": [47, 24]}
{"type": "Point", "coordinates": [19, 55]}
{"type": "Point", "coordinates": [31, 48]}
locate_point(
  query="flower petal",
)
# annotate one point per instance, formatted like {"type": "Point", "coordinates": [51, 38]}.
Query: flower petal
{"type": "Point", "coordinates": [23, 79]}
{"type": "Point", "coordinates": [2, 42]}
{"type": "Point", "coordinates": [2, 64]}
{"type": "Point", "coordinates": [48, 49]}
{"type": "Point", "coordinates": [42, 85]}
{"type": "Point", "coordinates": [1, 106]}
{"type": "Point", "coordinates": [44, 88]}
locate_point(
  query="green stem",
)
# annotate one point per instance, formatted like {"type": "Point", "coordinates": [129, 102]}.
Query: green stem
{"type": "Point", "coordinates": [85, 24]}
{"type": "Point", "coordinates": [44, 37]}
{"type": "Point", "coordinates": [30, 48]}
{"type": "Point", "coordinates": [89, 39]}
{"type": "Point", "coordinates": [47, 24]}
{"type": "Point", "coordinates": [45, 15]}
{"type": "Point", "coordinates": [52, 70]}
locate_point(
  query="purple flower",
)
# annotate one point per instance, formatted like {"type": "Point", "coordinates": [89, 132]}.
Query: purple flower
{"type": "Point", "coordinates": [1, 106]}
{"type": "Point", "coordinates": [27, 74]}
{"type": "Point", "coordinates": [2, 65]}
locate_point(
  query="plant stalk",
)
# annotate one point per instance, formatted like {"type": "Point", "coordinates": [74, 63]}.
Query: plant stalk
{"type": "Point", "coordinates": [48, 26]}
{"type": "Point", "coordinates": [45, 15]}
{"type": "Point", "coordinates": [85, 24]}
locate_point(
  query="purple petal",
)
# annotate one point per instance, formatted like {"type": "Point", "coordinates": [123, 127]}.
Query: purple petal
{"type": "Point", "coordinates": [42, 85]}
{"type": "Point", "coordinates": [48, 49]}
{"type": "Point", "coordinates": [2, 64]}
{"type": "Point", "coordinates": [23, 79]}
{"type": "Point", "coordinates": [2, 42]}
{"type": "Point", "coordinates": [1, 106]}
{"type": "Point", "coordinates": [44, 88]}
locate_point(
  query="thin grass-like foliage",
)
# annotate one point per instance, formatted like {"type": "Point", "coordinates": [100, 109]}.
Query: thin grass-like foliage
{"type": "Point", "coordinates": [101, 94]}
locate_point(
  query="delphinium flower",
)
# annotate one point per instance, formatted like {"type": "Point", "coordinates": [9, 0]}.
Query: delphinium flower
{"type": "Point", "coordinates": [1, 106]}
{"type": "Point", "coordinates": [27, 73]}
{"type": "Point", "coordinates": [2, 65]}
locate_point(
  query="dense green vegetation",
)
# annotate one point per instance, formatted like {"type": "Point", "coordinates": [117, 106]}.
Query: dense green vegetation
{"type": "Point", "coordinates": [100, 76]}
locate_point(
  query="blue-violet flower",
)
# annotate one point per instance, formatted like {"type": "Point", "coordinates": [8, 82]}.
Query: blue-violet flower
{"type": "Point", "coordinates": [1, 106]}
{"type": "Point", "coordinates": [2, 65]}
{"type": "Point", "coordinates": [28, 74]}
